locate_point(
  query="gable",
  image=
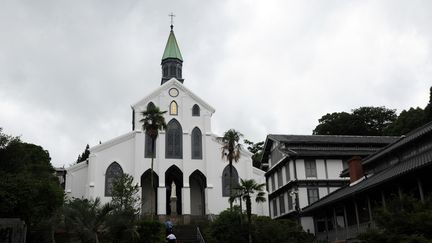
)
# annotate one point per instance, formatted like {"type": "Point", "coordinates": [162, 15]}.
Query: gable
{"type": "Point", "coordinates": [172, 83]}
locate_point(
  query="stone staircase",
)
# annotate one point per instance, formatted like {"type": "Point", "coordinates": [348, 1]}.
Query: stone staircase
{"type": "Point", "coordinates": [186, 233]}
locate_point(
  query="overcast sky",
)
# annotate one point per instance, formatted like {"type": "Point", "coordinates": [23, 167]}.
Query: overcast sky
{"type": "Point", "coordinates": [69, 70]}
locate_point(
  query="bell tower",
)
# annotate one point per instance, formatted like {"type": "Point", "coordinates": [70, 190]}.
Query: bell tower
{"type": "Point", "coordinates": [172, 60]}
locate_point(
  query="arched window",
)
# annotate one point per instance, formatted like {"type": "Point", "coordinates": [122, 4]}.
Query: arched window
{"type": "Point", "coordinates": [148, 147]}
{"type": "Point", "coordinates": [113, 172]}
{"type": "Point", "coordinates": [148, 142]}
{"type": "Point", "coordinates": [173, 108]}
{"type": "Point", "coordinates": [226, 180]}
{"type": "Point", "coordinates": [173, 140]}
{"type": "Point", "coordinates": [195, 110]}
{"type": "Point", "coordinates": [196, 143]}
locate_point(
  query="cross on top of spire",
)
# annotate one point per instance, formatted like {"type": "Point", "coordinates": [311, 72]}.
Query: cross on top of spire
{"type": "Point", "coordinates": [171, 15]}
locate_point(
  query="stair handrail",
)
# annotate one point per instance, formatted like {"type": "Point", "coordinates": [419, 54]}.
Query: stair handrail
{"type": "Point", "coordinates": [200, 238]}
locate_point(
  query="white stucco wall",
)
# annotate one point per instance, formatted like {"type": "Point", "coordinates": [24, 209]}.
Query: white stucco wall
{"type": "Point", "coordinates": [303, 198]}
{"type": "Point", "coordinates": [334, 168]}
{"type": "Point", "coordinates": [76, 181]}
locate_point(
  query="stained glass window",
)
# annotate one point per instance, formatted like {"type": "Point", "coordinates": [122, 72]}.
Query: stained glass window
{"type": "Point", "coordinates": [196, 143]}
{"type": "Point", "coordinates": [173, 108]}
{"type": "Point", "coordinates": [173, 140]}
{"type": "Point", "coordinates": [113, 172]}
{"type": "Point", "coordinates": [226, 180]}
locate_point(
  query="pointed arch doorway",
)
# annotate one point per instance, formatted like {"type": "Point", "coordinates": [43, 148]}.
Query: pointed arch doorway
{"type": "Point", "coordinates": [174, 174]}
{"type": "Point", "coordinates": [149, 195]}
{"type": "Point", "coordinates": [197, 183]}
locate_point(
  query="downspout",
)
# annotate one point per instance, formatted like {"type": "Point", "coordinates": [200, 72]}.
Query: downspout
{"type": "Point", "coordinates": [133, 118]}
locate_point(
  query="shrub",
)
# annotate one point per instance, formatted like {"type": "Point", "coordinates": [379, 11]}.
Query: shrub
{"type": "Point", "coordinates": [150, 231]}
{"type": "Point", "coordinates": [228, 228]}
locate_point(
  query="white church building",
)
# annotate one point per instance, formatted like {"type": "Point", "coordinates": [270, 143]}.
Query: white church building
{"type": "Point", "coordinates": [187, 154]}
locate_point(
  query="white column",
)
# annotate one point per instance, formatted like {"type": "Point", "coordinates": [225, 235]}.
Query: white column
{"type": "Point", "coordinates": [161, 201]}
{"type": "Point", "coordinates": [93, 173]}
{"type": "Point", "coordinates": [186, 203]}
{"type": "Point", "coordinates": [206, 198]}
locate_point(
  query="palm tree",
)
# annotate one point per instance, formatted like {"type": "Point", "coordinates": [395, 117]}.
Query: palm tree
{"type": "Point", "coordinates": [153, 121]}
{"type": "Point", "coordinates": [245, 190]}
{"type": "Point", "coordinates": [87, 217]}
{"type": "Point", "coordinates": [231, 151]}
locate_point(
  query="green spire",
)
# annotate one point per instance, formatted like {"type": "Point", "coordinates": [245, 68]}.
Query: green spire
{"type": "Point", "coordinates": [171, 49]}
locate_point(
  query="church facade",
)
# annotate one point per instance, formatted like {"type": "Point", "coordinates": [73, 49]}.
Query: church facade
{"type": "Point", "coordinates": [187, 154]}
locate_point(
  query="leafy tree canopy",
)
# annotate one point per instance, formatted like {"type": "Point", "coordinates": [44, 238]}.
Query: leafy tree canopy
{"type": "Point", "coordinates": [125, 194]}
{"type": "Point", "coordinates": [257, 150]}
{"type": "Point", "coordinates": [406, 122]}
{"type": "Point", "coordinates": [28, 187]}
{"type": "Point", "coordinates": [85, 155]}
{"type": "Point", "coordinates": [370, 121]}
{"type": "Point", "coordinates": [374, 121]}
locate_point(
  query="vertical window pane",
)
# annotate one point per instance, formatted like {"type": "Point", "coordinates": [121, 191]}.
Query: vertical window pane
{"type": "Point", "coordinates": [310, 168]}
{"type": "Point", "coordinates": [173, 140]}
{"type": "Point", "coordinates": [113, 172]}
{"type": "Point", "coordinates": [312, 195]}
{"type": "Point", "coordinates": [279, 175]}
{"type": "Point", "coordinates": [290, 201]}
{"type": "Point", "coordinates": [195, 110]}
{"type": "Point", "coordinates": [273, 182]}
{"type": "Point", "coordinates": [282, 203]}
{"type": "Point", "coordinates": [173, 108]}
{"type": "Point", "coordinates": [275, 208]}
{"type": "Point", "coordinates": [226, 180]}
{"type": "Point", "coordinates": [172, 71]}
{"type": "Point", "coordinates": [287, 171]}
{"type": "Point", "coordinates": [196, 143]}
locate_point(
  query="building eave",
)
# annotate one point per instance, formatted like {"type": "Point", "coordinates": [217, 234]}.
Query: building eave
{"type": "Point", "coordinates": [114, 141]}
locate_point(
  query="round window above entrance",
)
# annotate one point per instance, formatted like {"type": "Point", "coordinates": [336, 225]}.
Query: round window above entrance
{"type": "Point", "coordinates": [173, 92]}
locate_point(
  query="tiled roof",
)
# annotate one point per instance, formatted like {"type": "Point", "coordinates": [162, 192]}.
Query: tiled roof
{"type": "Point", "coordinates": [332, 139]}
{"type": "Point", "coordinates": [413, 135]}
{"type": "Point", "coordinates": [403, 167]}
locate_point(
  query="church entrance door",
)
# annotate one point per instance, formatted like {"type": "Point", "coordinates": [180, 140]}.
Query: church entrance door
{"type": "Point", "coordinates": [149, 195]}
{"type": "Point", "coordinates": [198, 183]}
{"type": "Point", "coordinates": [174, 174]}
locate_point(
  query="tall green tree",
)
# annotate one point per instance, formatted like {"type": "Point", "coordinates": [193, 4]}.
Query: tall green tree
{"type": "Point", "coordinates": [153, 121]}
{"type": "Point", "coordinates": [231, 151]}
{"type": "Point", "coordinates": [257, 151]}
{"type": "Point", "coordinates": [87, 218]}
{"type": "Point", "coordinates": [85, 155]}
{"type": "Point", "coordinates": [28, 187]}
{"type": "Point", "coordinates": [125, 194]}
{"type": "Point", "coordinates": [246, 190]}
{"type": "Point", "coordinates": [125, 200]}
